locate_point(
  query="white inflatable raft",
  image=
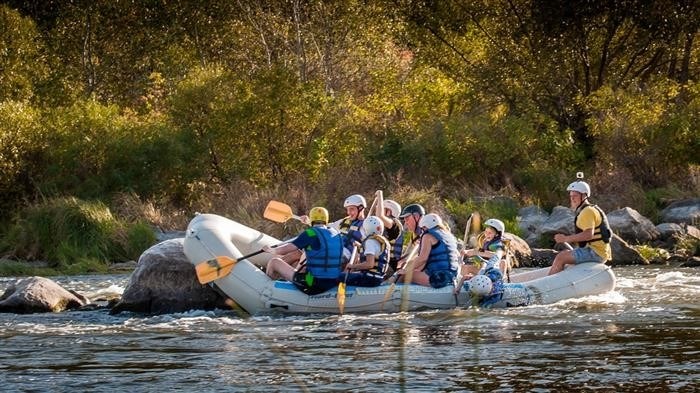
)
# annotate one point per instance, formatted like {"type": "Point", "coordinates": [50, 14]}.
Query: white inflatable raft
{"type": "Point", "coordinates": [209, 236]}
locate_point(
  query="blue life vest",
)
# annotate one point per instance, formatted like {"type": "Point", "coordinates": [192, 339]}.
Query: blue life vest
{"type": "Point", "coordinates": [325, 262]}
{"type": "Point", "coordinates": [350, 229]}
{"type": "Point", "coordinates": [443, 255]}
{"type": "Point", "coordinates": [382, 260]}
{"type": "Point", "coordinates": [402, 243]}
{"type": "Point", "coordinates": [494, 244]}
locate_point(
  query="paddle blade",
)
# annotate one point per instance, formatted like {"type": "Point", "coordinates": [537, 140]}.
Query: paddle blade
{"type": "Point", "coordinates": [387, 295]}
{"type": "Point", "coordinates": [214, 269]}
{"type": "Point", "coordinates": [475, 227]}
{"type": "Point", "coordinates": [341, 297]}
{"type": "Point", "coordinates": [278, 211]}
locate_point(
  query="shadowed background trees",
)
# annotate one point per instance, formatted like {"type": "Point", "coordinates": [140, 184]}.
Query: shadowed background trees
{"type": "Point", "coordinates": [172, 101]}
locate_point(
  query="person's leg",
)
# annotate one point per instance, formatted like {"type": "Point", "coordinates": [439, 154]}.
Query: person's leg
{"type": "Point", "coordinates": [421, 278]}
{"type": "Point", "coordinates": [277, 268]}
{"type": "Point", "coordinates": [563, 258]}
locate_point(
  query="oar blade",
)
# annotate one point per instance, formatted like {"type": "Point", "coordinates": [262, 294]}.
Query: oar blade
{"type": "Point", "coordinates": [278, 211]}
{"type": "Point", "coordinates": [341, 297]}
{"type": "Point", "coordinates": [475, 228]}
{"type": "Point", "coordinates": [213, 269]}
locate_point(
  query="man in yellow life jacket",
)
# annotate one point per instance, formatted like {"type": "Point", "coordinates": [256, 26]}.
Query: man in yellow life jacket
{"type": "Point", "coordinates": [593, 231]}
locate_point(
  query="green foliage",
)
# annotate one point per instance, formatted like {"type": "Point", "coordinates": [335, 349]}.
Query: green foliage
{"type": "Point", "coordinates": [66, 231]}
{"type": "Point", "coordinates": [656, 200]}
{"type": "Point", "coordinates": [22, 146]}
{"type": "Point", "coordinates": [504, 209]}
{"type": "Point", "coordinates": [688, 245]}
{"type": "Point", "coordinates": [647, 132]}
{"type": "Point", "coordinates": [21, 62]}
{"type": "Point", "coordinates": [180, 103]}
{"type": "Point", "coordinates": [17, 268]}
{"type": "Point", "coordinates": [653, 255]}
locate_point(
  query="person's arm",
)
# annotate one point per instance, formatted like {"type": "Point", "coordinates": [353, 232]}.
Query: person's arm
{"type": "Point", "coordinates": [426, 243]}
{"type": "Point", "coordinates": [473, 252]}
{"type": "Point", "coordinates": [586, 220]}
{"type": "Point", "coordinates": [281, 250]}
{"type": "Point", "coordinates": [379, 210]}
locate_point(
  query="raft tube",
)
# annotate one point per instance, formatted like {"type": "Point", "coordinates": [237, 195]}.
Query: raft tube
{"type": "Point", "coordinates": [209, 235]}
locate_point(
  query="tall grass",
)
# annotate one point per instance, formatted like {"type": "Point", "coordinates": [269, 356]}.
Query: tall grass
{"type": "Point", "coordinates": [74, 235]}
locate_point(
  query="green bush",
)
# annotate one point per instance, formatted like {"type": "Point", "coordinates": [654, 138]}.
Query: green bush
{"type": "Point", "coordinates": [502, 208]}
{"type": "Point", "coordinates": [74, 235]}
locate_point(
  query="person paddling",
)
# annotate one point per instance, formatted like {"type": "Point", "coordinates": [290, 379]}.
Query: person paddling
{"type": "Point", "coordinates": [351, 225]}
{"type": "Point", "coordinates": [324, 252]}
{"type": "Point", "coordinates": [487, 259]}
{"type": "Point", "coordinates": [374, 257]}
{"type": "Point", "coordinates": [437, 263]}
{"type": "Point", "coordinates": [593, 231]}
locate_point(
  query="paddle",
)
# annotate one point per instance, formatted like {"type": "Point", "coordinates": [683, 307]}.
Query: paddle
{"type": "Point", "coordinates": [341, 286]}
{"type": "Point", "coordinates": [221, 266]}
{"type": "Point", "coordinates": [279, 212]}
{"type": "Point", "coordinates": [408, 257]}
{"type": "Point", "coordinates": [475, 226]}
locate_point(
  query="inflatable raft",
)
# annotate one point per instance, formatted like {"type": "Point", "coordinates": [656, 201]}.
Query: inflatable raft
{"type": "Point", "coordinates": [210, 236]}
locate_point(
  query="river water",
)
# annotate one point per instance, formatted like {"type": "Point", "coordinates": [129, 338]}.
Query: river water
{"type": "Point", "coordinates": [642, 337]}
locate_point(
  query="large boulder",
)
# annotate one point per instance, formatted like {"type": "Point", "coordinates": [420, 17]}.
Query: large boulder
{"type": "Point", "coordinates": [624, 254]}
{"type": "Point", "coordinates": [684, 211]}
{"type": "Point", "coordinates": [669, 230]}
{"type": "Point", "coordinates": [560, 221]}
{"type": "Point", "coordinates": [530, 219]}
{"type": "Point", "coordinates": [632, 226]}
{"type": "Point", "coordinates": [39, 294]}
{"type": "Point", "coordinates": [541, 257]}
{"type": "Point", "coordinates": [519, 249]}
{"type": "Point", "coordinates": [165, 282]}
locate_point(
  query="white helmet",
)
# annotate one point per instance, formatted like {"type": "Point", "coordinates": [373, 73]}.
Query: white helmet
{"type": "Point", "coordinates": [355, 200]}
{"type": "Point", "coordinates": [430, 220]}
{"type": "Point", "coordinates": [580, 186]}
{"type": "Point", "coordinates": [496, 224]}
{"type": "Point", "coordinates": [480, 285]}
{"type": "Point", "coordinates": [373, 225]}
{"type": "Point", "coordinates": [393, 206]}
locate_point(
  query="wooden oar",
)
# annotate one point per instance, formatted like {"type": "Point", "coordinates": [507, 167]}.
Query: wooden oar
{"type": "Point", "coordinates": [341, 286]}
{"type": "Point", "coordinates": [393, 278]}
{"type": "Point", "coordinates": [221, 266]}
{"type": "Point", "coordinates": [279, 212]}
{"type": "Point", "coordinates": [475, 227]}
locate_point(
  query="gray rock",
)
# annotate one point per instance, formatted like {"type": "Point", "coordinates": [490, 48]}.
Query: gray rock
{"type": "Point", "coordinates": [669, 230]}
{"type": "Point", "coordinates": [39, 294]}
{"type": "Point", "coordinates": [685, 211]}
{"type": "Point", "coordinates": [164, 281]}
{"type": "Point", "coordinates": [541, 257]}
{"type": "Point", "coordinates": [623, 254]}
{"type": "Point", "coordinates": [632, 226]}
{"type": "Point", "coordinates": [519, 249]}
{"type": "Point", "coordinates": [692, 262]}
{"type": "Point", "coordinates": [530, 219]}
{"type": "Point", "coordinates": [560, 221]}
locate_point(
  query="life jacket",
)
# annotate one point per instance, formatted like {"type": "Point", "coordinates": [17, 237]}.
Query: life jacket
{"type": "Point", "coordinates": [325, 262]}
{"type": "Point", "coordinates": [391, 234]}
{"type": "Point", "coordinates": [600, 233]}
{"type": "Point", "coordinates": [350, 229]}
{"type": "Point", "coordinates": [493, 245]}
{"type": "Point", "coordinates": [443, 255]}
{"type": "Point", "coordinates": [382, 260]}
{"type": "Point", "coordinates": [402, 243]}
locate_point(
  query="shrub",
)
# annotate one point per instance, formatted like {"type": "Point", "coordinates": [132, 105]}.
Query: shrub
{"type": "Point", "coordinates": [74, 235]}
